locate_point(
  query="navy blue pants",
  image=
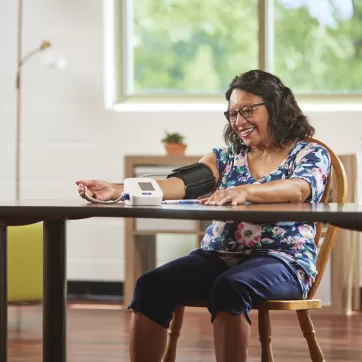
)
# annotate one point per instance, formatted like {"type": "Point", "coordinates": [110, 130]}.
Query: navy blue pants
{"type": "Point", "coordinates": [203, 276]}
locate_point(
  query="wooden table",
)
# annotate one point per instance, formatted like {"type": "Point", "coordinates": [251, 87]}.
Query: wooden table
{"type": "Point", "coordinates": [54, 213]}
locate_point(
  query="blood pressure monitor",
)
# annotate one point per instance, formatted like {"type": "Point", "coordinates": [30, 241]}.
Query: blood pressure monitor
{"type": "Point", "coordinates": [142, 192]}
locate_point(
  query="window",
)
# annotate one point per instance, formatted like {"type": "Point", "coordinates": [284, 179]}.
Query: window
{"type": "Point", "coordinates": [191, 46]}
{"type": "Point", "coordinates": [189, 50]}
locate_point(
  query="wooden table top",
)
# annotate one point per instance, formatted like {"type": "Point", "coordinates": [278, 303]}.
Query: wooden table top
{"type": "Point", "coordinates": [347, 215]}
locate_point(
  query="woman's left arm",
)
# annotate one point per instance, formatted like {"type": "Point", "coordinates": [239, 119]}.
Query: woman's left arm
{"type": "Point", "coordinates": [292, 190]}
{"type": "Point", "coordinates": [312, 166]}
{"type": "Point", "coordinates": [295, 190]}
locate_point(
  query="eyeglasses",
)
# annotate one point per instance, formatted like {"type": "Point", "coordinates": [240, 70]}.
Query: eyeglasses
{"type": "Point", "coordinates": [245, 112]}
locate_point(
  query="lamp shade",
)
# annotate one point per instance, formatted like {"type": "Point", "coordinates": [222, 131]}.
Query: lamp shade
{"type": "Point", "coordinates": [51, 58]}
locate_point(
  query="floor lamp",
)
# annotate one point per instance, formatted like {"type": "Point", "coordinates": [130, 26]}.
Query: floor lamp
{"type": "Point", "coordinates": [21, 60]}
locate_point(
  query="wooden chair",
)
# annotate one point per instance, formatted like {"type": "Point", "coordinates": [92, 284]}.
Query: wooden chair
{"type": "Point", "coordinates": [300, 306]}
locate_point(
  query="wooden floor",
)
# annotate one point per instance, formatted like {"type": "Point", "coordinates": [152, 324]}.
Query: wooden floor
{"type": "Point", "coordinates": [99, 334]}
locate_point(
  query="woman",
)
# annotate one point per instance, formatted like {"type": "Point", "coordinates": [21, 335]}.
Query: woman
{"type": "Point", "coordinates": [239, 265]}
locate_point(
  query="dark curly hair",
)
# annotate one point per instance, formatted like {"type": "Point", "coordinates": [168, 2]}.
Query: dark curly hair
{"type": "Point", "coordinates": [287, 123]}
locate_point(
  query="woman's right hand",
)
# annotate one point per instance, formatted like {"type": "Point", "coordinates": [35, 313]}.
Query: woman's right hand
{"type": "Point", "coordinates": [98, 189]}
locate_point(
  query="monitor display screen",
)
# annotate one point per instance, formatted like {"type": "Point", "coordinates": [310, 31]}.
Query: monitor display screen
{"type": "Point", "coordinates": [146, 186]}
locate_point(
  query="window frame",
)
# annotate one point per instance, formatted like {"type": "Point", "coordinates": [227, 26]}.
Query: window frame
{"type": "Point", "coordinates": [117, 63]}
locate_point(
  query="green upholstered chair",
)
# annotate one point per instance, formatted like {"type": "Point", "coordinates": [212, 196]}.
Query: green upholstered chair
{"type": "Point", "coordinates": [25, 263]}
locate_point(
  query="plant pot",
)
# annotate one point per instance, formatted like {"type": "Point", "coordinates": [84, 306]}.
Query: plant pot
{"type": "Point", "coordinates": [175, 149]}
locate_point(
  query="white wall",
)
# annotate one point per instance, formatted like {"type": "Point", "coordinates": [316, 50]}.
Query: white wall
{"type": "Point", "coordinates": [68, 135]}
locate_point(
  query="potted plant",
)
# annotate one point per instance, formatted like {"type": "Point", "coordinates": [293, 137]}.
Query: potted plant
{"type": "Point", "coordinates": [174, 144]}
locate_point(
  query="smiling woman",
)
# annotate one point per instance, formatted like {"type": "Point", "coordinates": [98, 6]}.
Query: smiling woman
{"type": "Point", "coordinates": [277, 113]}
{"type": "Point", "coordinates": [239, 265]}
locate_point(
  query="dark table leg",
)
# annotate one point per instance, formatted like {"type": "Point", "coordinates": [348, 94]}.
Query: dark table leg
{"type": "Point", "coordinates": [54, 305]}
{"type": "Point", "coordinates": [3, 294]}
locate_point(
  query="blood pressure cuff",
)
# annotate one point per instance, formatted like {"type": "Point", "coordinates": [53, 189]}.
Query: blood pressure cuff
{"type": "Point", "coordinates": [198, 179]}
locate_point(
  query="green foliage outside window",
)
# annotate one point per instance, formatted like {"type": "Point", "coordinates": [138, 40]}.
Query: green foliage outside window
{"type": "Point", "coordinates": [193, 45]}
{"type": "Point", "coordinates": [198, 46]}
{"type": "Point", "coordinates": [318, 45]}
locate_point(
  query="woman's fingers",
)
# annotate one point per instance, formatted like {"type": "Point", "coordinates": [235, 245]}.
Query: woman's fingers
{"type": "Point", "coordinates": [204, 200]}
{"type": "Point", "coordinates": [209, 201]}
{"type": "Point", "coordinates": [236, 201]}
{"type": "Point", "coordinates": [224, 200]}
{"type": "Point", "coordinates": [81, 190]}
{"type": "Point", "coordinates": [212, 199]}
{"type": "Point", "coordinates": [218, 198]}
{"type": "Point", "coordinates": [223, 197]}
{"type": "Point", "coordinates": [88, 183]}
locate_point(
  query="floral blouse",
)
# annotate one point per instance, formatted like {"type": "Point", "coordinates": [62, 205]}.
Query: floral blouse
{"type": "Point", "coordinates": [292, 242]}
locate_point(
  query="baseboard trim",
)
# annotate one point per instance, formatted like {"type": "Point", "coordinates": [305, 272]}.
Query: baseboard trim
{"type": "Point", "coordinates": [80, 289]}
